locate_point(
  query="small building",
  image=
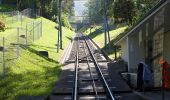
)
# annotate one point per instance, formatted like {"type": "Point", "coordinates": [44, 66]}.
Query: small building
{"type": "Point", "coordinates": [148, 41]}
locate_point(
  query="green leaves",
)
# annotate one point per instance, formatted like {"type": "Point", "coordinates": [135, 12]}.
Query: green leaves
{"type": "Point", "coordinates": [124, 11]}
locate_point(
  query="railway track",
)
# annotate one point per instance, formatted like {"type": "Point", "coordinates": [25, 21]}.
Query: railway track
{"type": "Point", "coordinates": [84, 47]}
{"type": "Point", "coordinates": [88, 80]}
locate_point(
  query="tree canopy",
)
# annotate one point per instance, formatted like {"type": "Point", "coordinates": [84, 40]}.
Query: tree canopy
{"type": "Point", "coordinates": [49, 7]}
{"type": "Point", "coordinates": [123, 11]}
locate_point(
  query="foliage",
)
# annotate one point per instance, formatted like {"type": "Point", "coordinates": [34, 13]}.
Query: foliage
{"type": "Point", "coordinates": [2, 26]}
{"type": "Point", "coordinates": [143, 6]}
{"type": "Point", "coordinates": [54, 18]}
{"type": "Point", "coordinates": [68, 7]}
{"type": "Point", "coordinates": [124, 10]}
{"type": "Point", "coordinates": [6, 8]}
{"type": "Point", "coordinates": [94, 11]}
{"type": "Point", "coordinates": [49, 7]}
{"type": "Point", "coordinates": [65, 22]}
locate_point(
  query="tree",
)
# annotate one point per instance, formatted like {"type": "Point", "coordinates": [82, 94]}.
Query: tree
{"type": "Point", "coordinates": [124, 11]}
{"type": "Point", "coordinates": [94, 11]}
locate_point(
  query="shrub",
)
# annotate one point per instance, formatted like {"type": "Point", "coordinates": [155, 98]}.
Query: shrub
{"type": "Point", "coordinates": [54, 19]}
{"type": "Point", "coordinates": [2, 26]}
{"type": "Point", "coordinates": [65, 22]}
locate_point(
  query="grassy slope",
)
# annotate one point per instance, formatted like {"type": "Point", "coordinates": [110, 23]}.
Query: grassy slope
{"type": "Point", "coordinates": [33, 74]}
{"type": "Point", "coordinates": [49, 39]}
{"type": "Point", "coordinates": [98, 36]}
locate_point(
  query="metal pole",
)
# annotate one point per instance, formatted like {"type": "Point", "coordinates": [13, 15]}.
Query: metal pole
{"type": "Point", "coordinates": [105, 30]}
{"type": "Point", "coordinates": [12, 17]}
{"type": "Point", "coordinates": [58, 42]}
{"type": "Point", "coordinates": [18, 42]}
{"type": "Point", "coordinates": [4, 55]}
{"type": "Point", "coordinates": [108, 33]}
{"type": "Point", "coordinates": [21, 19]}
{"type": "Point", "coordinates": [41, 26]}
{"type": "Point", "coordinates": [26, 34]}
{"type": "Point", "coordinates": [33, 31]}
{"type": "Point", "coordinates": [107, 25]}
{"type": "Point", "coordinates": [60, 22]}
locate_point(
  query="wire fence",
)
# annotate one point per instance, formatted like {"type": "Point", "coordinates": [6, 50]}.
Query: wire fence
{"type": "Point", "coordinates": [25, 33]}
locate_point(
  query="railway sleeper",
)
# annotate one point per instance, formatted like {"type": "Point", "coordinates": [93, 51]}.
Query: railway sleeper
{"type": "Point", "coordinates": [95, 79]}
{"type": "Point", "coordinates": [82, 91]}
{"type": "Point", "coordinates": [83, 97]}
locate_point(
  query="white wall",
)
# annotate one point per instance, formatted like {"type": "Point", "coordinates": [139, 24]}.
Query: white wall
{"type": "Point", "coordinates": [124, 50]}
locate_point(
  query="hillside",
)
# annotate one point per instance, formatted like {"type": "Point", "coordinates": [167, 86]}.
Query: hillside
{"type": "Point", "coordinates": [33, 74]}
{"type": "Point", "coordinates": [97, 35]}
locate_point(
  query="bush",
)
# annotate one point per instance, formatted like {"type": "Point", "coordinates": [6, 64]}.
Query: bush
{"type": "Point", "coordinates": [2, 26]}
{"type": "Point", "coordinates": [65, 22]}
{"type": "Point", "coordinates": [54, 19]}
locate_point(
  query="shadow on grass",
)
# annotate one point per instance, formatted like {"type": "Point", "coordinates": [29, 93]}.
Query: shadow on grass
{"type": "Point", "coordinates": [41, 46]}
{"type": "Point", "coordinates": [29, 83]}
{"type": "Point", "coordinates": [69, 38]}
{"type": "Point", "coordinates": [112, 48]}
{"type": "Point", "coordinates": [96, 33]}
{"type": "Point", "coordinates": [37, 53]}
{"type": "Point", "coordinates": [29, 80]}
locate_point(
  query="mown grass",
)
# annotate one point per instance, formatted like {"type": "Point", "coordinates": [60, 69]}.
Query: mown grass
{"type": "Point", "coordinates": [10, 35]}
{"type": "Point", "coordinates": [49, 40]}
{"type": "Point", "coordinates": [97, 35]}
{"type": "Point", "coordinates": [33, 74]}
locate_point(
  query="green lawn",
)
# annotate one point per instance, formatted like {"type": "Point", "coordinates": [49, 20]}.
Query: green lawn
{"type": "Point", "coordinates": [33, 74]}
{"type": "Point", "coordinates": [10, 35]}
{"type": "Point", "coordinates": [98, 36]}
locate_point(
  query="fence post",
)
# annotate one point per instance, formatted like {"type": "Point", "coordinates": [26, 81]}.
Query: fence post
{"type": "Point", "coordinates": [12, 17]}
{"type": "Point", "coordinates": [4, 55]}
{"type": "Point", "coordinates": [33, 31]}
{"type": "Point", "coordinates": [41, 27]}
{"type": "Point", "coordinates": [26, 35]}
{"type": "Point", "coordinates": [21, 19]}
{"type": "Point", "coordinates": [39, 24]}
{"type": "Point", "coordinates": [18, 16]}
{"type": "Point", "coordinates": [18, 42]}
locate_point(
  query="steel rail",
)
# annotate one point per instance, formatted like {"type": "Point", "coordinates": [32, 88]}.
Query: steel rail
{"type": "Point", "coordinates": [91, 76]}
{"type": "Point", "coordinates": [75, 84]}
{"type": "Point", "coordinates": [108, 90]}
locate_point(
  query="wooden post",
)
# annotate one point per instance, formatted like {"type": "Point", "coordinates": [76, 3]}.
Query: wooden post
{"type": "Point", "coordinates": [115, 47]}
